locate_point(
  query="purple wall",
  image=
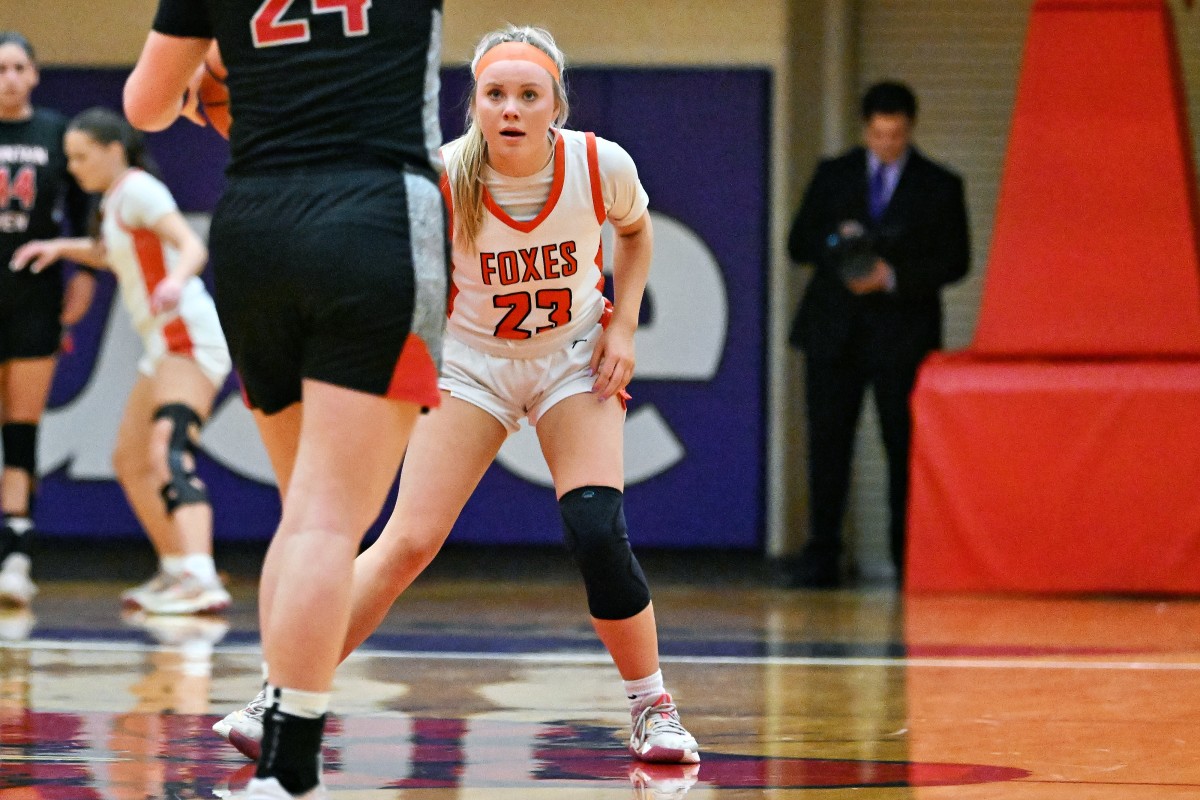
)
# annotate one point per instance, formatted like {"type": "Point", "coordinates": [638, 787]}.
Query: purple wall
{"type": "Point", "coordinates": [705, 166]}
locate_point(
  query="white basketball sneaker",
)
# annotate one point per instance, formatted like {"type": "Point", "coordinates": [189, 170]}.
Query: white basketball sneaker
{"type": "Point", "coordinates": [659, 736]}
{"type": "Point", "coordinates": [132, 598]}
{"type": "Point", "coordinates": [270, 789]}
{"type": "Point", "coordinates": [244, 728]}
{"type": "Point", "coordinates": [663, 781]}
{"type": "Point", "coordinates": [16, 588]}
{"type": "Point", "coordinates": [16, 624]}
{"type": "Point", "coordinates": [187, 595]}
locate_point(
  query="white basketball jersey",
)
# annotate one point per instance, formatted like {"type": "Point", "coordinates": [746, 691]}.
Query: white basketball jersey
{"type": "Point", "coordinates": [139, 259]}
{"type": "Point", "coordinates": [528, 288]}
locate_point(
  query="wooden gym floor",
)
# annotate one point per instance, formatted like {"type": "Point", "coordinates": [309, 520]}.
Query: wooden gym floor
{"type": "Point", "coordinates": [487, 683]}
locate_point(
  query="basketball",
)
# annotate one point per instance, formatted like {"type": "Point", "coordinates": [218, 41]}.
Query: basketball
{"type": "Point", "coordinates": [214, 94]}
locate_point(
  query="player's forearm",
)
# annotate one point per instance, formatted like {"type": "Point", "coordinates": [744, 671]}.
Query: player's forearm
{"type": "Point", "coordinates": [193, 256]}
{"type": "Point", "coordinates": [632, 254]}
{"type": "Point", "coordinates": [83, 250]}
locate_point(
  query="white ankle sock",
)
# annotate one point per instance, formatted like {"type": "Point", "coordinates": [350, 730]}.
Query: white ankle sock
{"type": "Point", "coordinates": [298, 703]}
{"type": "Point", "coordinates": [644, 691]}
{"type": "Point", "coordinates": [201, 566]}
{"type": "Point", "coordinates": [19, 524]}
{"type": "Point", "coordinates": [172, 565]}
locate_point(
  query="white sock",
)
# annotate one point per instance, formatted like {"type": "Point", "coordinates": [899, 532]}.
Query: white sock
{"type": "Point", "coordinates": [298, 703]}
{"type": "Point", "coordinates": [19, 524]}
{"type": "Point", "coordinates": [172, 565]}
{"type": "Point", "coordinates": [201, 566]}
{"type": "Point", "coordinates": [644, 691]}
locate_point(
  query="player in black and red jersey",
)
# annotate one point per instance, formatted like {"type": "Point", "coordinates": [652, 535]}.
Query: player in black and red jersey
{"type": "Point", "coordinates": [330, 257]}
{"type": "Point", "coordinates": [36, 192]}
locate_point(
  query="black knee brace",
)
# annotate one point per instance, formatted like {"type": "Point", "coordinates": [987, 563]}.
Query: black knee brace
{"type": "Point", "coordinates": [19, 440]}
{"type": "Point", "coordinates": [16, 537]}
{"type": "Point", "coordinates": [184, 487]}
{"type": "Point", "coordinates": [595, 532]}
{"type": "Point", "coordinates": [20, 446]}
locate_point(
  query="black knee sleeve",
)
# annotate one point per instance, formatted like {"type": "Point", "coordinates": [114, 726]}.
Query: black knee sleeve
{"type": "Point", "coordinates": [20, 445]}
{"type": "Point", "coordinates": [19, 440]}
{"type": "Point", "coordinates": [16, 536]}
{"type": "Point", "coordinates": [184, 487]}
{"type": "Point", "coordinates": [595, 533]}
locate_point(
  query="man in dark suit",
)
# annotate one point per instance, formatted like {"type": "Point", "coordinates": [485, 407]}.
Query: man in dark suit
{"type": "Point", "coordinates": [886, 229]}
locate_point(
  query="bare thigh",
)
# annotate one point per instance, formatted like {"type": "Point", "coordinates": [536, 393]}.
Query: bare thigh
{"type": "Point", "coordinates": [583, 441]}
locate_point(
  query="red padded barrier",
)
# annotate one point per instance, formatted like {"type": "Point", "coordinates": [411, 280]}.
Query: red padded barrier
{"type": "Point", "coordinates": [1095, 246]}
{"type": "Point", "coordinates": [1055, 477]}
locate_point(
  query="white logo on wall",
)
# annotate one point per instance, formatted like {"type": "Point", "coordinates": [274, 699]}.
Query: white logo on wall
{"type": "Point", "coordinates": [684, 340]}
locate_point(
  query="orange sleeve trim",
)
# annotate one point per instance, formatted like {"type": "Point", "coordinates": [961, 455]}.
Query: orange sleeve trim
{"type": "Point", "coordinates": [593, 160]}
{"type": "Point", "coordinates": [448, 199]}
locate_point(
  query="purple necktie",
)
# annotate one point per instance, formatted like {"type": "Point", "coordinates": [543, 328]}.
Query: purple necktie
{"type": "Point", "coordinates": [877, 193]}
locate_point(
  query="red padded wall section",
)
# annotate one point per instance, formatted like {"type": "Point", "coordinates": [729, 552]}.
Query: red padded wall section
{"type": "Point", "coordinates": [1055, 477]}
{"type": "Point", "coordinates": [1094, 251]}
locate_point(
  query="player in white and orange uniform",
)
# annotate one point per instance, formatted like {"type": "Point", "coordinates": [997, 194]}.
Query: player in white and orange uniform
{"type": "Point", "coordinates": [157, 259]}
{"type": "Point", "coordinates": [530, 335]}
{"type": "Point", "coordinates": [528, 289]}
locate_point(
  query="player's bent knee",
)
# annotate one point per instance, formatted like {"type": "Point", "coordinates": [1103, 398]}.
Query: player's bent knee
{"type": "Point", "coordinates": [19, 440]}
{"type": "Point", "coordinates": [595, 533]}
{"type": "Point", "coordinates": [183, 486]}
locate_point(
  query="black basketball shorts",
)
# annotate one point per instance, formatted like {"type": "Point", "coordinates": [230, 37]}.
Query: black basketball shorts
{"type": "Point", "coordinates": [338, 277]}
{"type": "Point", "coordinates": [30, 308]}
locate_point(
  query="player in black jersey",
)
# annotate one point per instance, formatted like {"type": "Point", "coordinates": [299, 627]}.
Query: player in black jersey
{"type": "Point", "coordinates": [330, 257]}
{"type": "Point", "coordinates": [35, 191]}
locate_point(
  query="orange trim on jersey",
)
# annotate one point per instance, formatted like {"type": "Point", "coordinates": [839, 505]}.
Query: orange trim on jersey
{"type": "Point", "coordinates": [555, 191]}
{"type": "Point", "coordinates": [448, 199]}
{"type": "Point", "coordinates": [153, 263]}
{"type": "Point", "coordinates": [414, 378]}
{"type": "Point", "coordinates": [593, 159]}
{"type": "Point", "coordinates": [606, 314]}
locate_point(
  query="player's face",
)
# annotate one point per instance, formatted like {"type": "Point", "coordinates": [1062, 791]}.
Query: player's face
{"type": "Point", "coordinates": [18, 76]}
{"type": "Point", "coordinates": [887, 135]}
{"type": "Point", "coordinates": [515, 107]}
{"type": "Point", "coordinates": [94, 165]}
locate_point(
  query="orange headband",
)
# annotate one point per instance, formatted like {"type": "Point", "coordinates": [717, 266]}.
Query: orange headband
{"type": "Point", "coordinates": [516, 51]}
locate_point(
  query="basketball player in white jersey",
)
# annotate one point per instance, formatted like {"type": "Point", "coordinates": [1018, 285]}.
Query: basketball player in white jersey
{"type": "Point", "coordinates": [530, 335]}
{"type": "Point", "coordinates": [145, 241]}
